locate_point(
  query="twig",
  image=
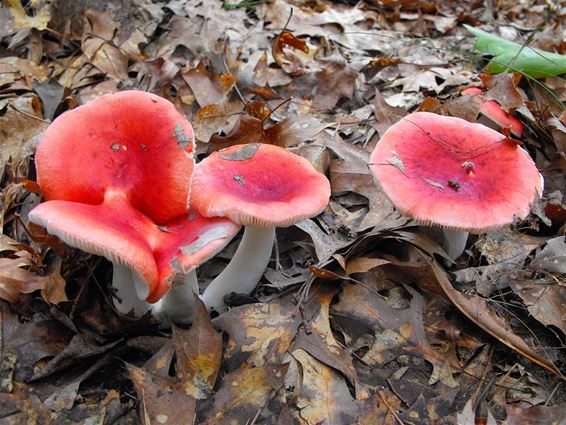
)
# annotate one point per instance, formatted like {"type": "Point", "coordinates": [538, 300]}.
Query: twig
{"type": "Point", "coordinates": [390, 408]}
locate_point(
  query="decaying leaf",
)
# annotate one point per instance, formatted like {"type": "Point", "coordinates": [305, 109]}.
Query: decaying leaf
{"type": "Point", "coordinates": [162, 400]}
{"type": "Point", "coordinates": [199, 352]}
{"type": "Point", "coordinates": [316, 335]}
{"type": "Point", "coordinates": [323, 395]}
{"type": "Point", "coordinates": [259, 333]}
{"type": "Point", "coordinates": [18, 126]}
{"type": "Point", "coordinates": [245, 392]}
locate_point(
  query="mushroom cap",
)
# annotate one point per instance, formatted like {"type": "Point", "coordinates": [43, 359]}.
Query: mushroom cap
{"type": "Point", "coordinates": [492, 110]}
{"type": "Point", "coordinates": [259, 185]}
{"type": "Point", "coordinates": [446, 171]}
{"type": "Point", "coordinates": [125, 236]}
{"type": "Point", "coordinates": [131, 141]}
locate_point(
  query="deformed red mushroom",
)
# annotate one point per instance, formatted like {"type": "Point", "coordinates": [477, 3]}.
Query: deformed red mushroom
{"type": "Point", "coordinates": [261, 187]}
{"type": "Point", "coordinates": [447, 172]}
{"type": "Point", "coordinates": [116, 177]}
{"type": "Point", "coordinates": [495, 113]}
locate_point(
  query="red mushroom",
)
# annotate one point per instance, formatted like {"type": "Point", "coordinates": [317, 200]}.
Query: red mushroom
{"type": "Point", "coordinates": [116, 175]}
{"type": "Point", "coordinates": [261, 187]}
{"type": "Point", "coordinates": [447, 172]}
{"type": "Point", "coordinates": [495, 113]}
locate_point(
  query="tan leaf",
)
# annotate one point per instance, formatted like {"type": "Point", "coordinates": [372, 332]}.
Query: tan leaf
{"type": "Point", "coordinates": [162, 400]}
{"type": "Point", "coordinates": [244, 392]}
{"type": "Point", "coordinates": [477, 310]}
{"type": "Point", "coordinates": [260, 333]}
{"type": "Point", "coordinates": [54, 290]}
{"type": "Point", "coordinates": [316, 336]}
{"type": "Point", "coordinates": [20, 124]}
{"type": "Point", "coordinates": [323, 396]}
{"type": "Point", "coordinates": [199, 353]}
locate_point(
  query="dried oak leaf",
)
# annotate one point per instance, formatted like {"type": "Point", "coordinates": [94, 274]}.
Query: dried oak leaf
{"type": "Point", "coordinates": [548, 415]}
{"type": "Point", "coordinates": [162, 400]}
{"type": "Point", "coordinates": [316, 336]}
{"type": "Point", "coordinates": [199, 353]}
{"type": "Point", "coordinates": [15, 279]}
{"type": "Point", "coordinates": [259, 333]}
{"type": "Point", "coordinates": [292, 54]}
{"type": "Point", "coordinates": [477, 310]}
{"type": "Point", "coordinates": [243, 393]}
{"type": "Point", "coordinates": [334, 82]}
{"type": "Point", "coordinates": [20, 124]}
{"type": "Point", "coordinates": [99, 48]}
{"type": "Point", "coordinates": [207, 86]}
{"type": "Point", "coordinates": [397, 330]}
{"type": "Point", "coordinates": [323, 395]}
{"type": "Point", "coordinates": [250, 130]}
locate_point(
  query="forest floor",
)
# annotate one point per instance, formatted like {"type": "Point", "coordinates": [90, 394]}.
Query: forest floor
{"type": "Point", "coordinates": [358, 319]}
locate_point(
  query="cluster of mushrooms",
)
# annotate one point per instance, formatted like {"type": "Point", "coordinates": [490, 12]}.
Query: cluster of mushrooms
{"type": "Point", "coordinates": [120, 181]}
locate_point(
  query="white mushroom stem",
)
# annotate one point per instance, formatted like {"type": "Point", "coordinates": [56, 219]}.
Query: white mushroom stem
{"type": "Point", "coordinates": [245, 269]}
{"type": "Point", "coordinates": [454, 242]}
{"type": "Point", "coordinates": [178, 304]}
{"type": "Point", "coordinates": [126, 297]}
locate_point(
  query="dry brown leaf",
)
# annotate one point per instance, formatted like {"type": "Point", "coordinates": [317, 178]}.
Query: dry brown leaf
{"type": "Point", "coordinates": [250, 130]}
{"type": "Point", "coordinates": [199, 353]}
{"type": "Point", "coordinates": [477, 310]}
{"type": "Point", "coordinates": [20, 20]}
{"type": "Point", "coordinates": [503, 89]}
{"type": "Point", "coordinates": [100, 50]}
{"type": "Point", "coordinates": [259, 333]}
{"type": "Point", "coordinates": [334, 82]}
{"type": "Point", "coordinates": [16, 280]}
{"type": "Point", "coordinates": [291, 53]}
{"type": "Point", "coordinates": [245, 392]}
{"type": "Point", "coordinates": [397, 330]}
{"type": "Point", "coordinates": [323, 396]}
{"type": "Point", "coordinates": [208, 87]}
{"type": "Point", "coordinates": [215, 118]}
{"type": "Point", "coordinates": [162, 400]}
{"type": "Point", "coordinates": [545, 299]}
{"type": "Point", "coordinates": [316, 337]}
{"type": "Point", "coordinates": [20, 124]}
{"type": "Point", "coordinates": [54, 290]}
{"type": "Point", "coordinates": [547, 415]}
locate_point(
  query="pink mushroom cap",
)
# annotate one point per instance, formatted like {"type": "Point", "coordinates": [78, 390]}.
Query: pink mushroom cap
{"type": "Point", "coordinates": [155, 253]}
{"type": "Point", "coordinates": [131, 141]}
{"type": "Point", "coordinates": [259, 185]}
{"type": "Point", "coordinates": [116, 174]}
{"type": "Point", "coordinates": [449, 172]}
{"type": "Point", "coordinates": [492, 110]}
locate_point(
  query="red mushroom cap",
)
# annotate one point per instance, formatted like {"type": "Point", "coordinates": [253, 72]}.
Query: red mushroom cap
{"type": "Point", "coordinates": [125, 236]}
{"type": "Point", "coordinates": [449, 172]}
{"type": "Point", "coordinates": [492, 110]}
{"type": "Point", "coordinates": [131, 141]}
{"type": "Point", "coordinates": [259, 185]}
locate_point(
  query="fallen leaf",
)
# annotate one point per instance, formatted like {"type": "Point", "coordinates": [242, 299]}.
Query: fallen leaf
{"type": "Point", "coordinates": [161, 399]}
{"type": "Point", "coordinates": [316, 338]}
{"type": "Point", "coordinates": [245, 392]}
{"type": "Point", "coordinates": [323, 394]}
{"type": "Point", "coordinates": [259, 333]}
{"type": "Point", "coordinates": [477, 310]}
{"type": "Point", "coordinates": [199, 352]}
{"type": "Point", "coordinates": [20, 124]}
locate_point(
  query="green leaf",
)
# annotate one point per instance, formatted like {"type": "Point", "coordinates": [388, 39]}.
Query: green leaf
{"type": "Point", "coordinates": [535, 63]}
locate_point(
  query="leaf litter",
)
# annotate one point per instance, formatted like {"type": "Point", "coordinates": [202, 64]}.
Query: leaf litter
{"type": "Point", "coordinates": [356, 321]}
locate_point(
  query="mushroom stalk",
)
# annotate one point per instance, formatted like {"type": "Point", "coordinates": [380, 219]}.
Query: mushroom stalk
{"type": "Point", "coordinates": [245, 269]}
{"type": "Point", "coordinates": [454, 242]}
{"type": "Point", "coordinates": [126, 298]}
{"type": "Point", "coordinates": [178, 304]}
